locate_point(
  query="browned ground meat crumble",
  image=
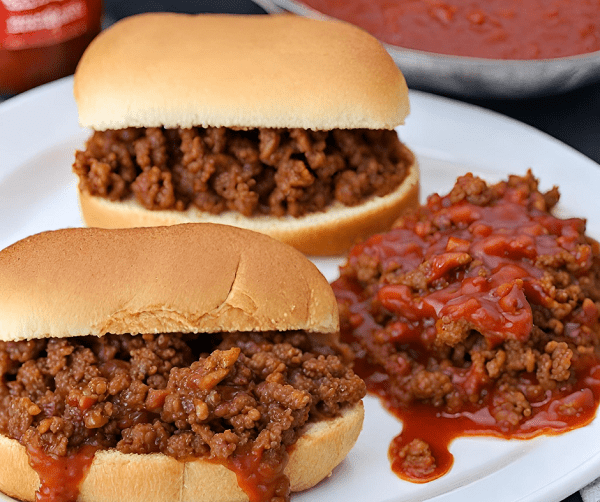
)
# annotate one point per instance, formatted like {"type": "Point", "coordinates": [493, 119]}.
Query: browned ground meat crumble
{"type": "Point", "coordinates": [256, 171]}
{"type": "Point", "coordinates": [480, 299]}
{"type": "Point", "coordinates": [182, 395]}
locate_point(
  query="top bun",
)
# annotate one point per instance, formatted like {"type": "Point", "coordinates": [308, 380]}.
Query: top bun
{"type": "Point", "coordinates": [184, 278]}
{"type": "Point", "coordinates": [179, 70]}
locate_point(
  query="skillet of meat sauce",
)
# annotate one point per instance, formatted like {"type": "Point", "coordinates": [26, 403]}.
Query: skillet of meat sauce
{"type": "Point", "coordinates": [239, 399]}
{"type": "Point", "coordinates": [477, 315]}
{"type": "Point", "coordinates": [276, 172]}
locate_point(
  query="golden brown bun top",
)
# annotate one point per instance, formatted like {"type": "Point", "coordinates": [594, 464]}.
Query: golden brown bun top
{"type": "Point", "coordinates": [179, 70]}
{"type": "Point", "coordinates": [184, 278]}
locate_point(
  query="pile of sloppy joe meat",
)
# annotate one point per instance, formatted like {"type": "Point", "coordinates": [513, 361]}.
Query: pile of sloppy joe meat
{"type": "Point", "coordinates": [478, 314]}
{"type": "Point", "coordinates": [256, 171]}
{"type": "Point", "coordinates": [236, 398]}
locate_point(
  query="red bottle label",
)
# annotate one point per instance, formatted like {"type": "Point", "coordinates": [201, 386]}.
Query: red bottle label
{"type": "Point", "coordinates": [39, 23]}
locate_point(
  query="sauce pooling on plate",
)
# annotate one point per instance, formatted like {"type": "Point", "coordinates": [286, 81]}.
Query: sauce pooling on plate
{"type": "Point", "coordinates": [478, 315]}
{"type": "Point", "coordinates": [494, 29]}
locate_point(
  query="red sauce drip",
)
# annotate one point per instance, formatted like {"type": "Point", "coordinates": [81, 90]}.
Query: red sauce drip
{"type": "Point", "coordinates": [560, 412]}
{"type": "Point", "coordinates": [482, 266]}
{"type": "Point", "coordinates": [495, 29]}
{"type": "Point", "coordinates": [260, 473]}
{"type": "Point", "coordinates": [60, 477]}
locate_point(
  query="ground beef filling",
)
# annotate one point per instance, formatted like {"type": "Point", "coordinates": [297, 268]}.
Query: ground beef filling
{"type": "Point", "coordinates": [186, 396]}
{"type": "Point", "coordinates": [478, 313]}
{"type": "Point", "coordinates": [257, 171]}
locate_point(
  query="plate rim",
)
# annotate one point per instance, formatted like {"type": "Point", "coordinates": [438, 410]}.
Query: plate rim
{"type": "Point", "coordinates": [588, 470]}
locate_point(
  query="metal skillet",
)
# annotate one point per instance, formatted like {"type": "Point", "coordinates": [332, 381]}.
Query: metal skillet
{"type": "Point", "coordinates": [476, 77]}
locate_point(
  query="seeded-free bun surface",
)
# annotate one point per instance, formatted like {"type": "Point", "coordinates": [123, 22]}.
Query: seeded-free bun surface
{"type": "Point", "coordinates": [183, 278]}
{"type": "Point", "coordinates": [180, 70]}
{"type": "Point", "coordinates": [117, 477]}
{"type": "Point", "coordinates": [327, 233]}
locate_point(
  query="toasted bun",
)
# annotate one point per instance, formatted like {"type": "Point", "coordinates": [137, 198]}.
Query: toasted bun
{"type": "Point", "coordinates": [332, 232]}
{"type": "Point", "coordinates": [114, 476]}
{"type": "Point", "coordinates": [184, 278]}
{"type": "Point", "coordinates": [178, 70]}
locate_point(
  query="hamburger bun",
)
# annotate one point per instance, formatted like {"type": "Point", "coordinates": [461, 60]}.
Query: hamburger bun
{"type": "Point", "coordinates": [195, 278]}
{"type": "Point", "coordinates": [179, 70]}
{"type": "Point", "coordinates": [117, 477]}
{"type": "Point", "coordinates": [190, 278]}
{"type": "Point", "coordinates": [248, 72]}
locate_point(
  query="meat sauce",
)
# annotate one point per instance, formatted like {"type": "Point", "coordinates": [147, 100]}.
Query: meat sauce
{"type": "Point", "coordinates": [276, 172]}
{"type": "Point", "coordinates": [237, 399]}
{"type": "Point", "coordinates": [476, 316]}
{"type": "Point", "coordinates": [437, 429]}
{"type": "Point", "coordinates": [494, 29]}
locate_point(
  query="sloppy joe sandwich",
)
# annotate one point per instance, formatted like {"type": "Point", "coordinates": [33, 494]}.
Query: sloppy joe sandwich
{"type": "Point", "coordinates": [280, 124]}
{"type": "Point", "coordinates": [191, 362]}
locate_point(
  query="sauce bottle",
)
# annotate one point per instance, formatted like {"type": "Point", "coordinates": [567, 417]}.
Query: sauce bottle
{"type": "Point", "coordinates": [42, 40]}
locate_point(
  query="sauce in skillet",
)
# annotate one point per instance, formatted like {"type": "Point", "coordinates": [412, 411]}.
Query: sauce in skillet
{"type": "Point", "coordinates": [495, 29]}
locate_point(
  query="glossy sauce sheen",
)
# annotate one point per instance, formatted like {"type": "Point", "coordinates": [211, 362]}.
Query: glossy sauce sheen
{"type": "Point", "coordinates": [481, 269]}
{"type": "Point", "coordinates": [439, 429]}
{"type": "Point", "coordinates": [495, 29]}
{"type": "Point", "coordinates": [60, 477]}
{"type": "Point", "coordinates": [260, 479]}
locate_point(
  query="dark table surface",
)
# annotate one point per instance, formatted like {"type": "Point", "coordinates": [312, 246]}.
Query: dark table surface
{"type": "Point", "coordinates": [573, 117]}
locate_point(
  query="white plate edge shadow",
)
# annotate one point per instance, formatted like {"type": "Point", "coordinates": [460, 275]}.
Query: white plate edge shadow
{"type": "Point", "coordinates": [444, 134]}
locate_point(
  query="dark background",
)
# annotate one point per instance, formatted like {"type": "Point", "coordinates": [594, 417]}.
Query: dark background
{"type": "Point", "coordinates": [573, 117]}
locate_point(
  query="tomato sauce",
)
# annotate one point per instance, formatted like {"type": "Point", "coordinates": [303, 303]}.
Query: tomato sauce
{"type": "Point", "coordinates": [439, 428]}
{"type": "Point", "coordinates": [60, 477]}
{"type": "Point", "coordinates": [260, 473]}
{"type": "Point", "coordinates": [494, 29]}
{"type": "Point", "coordinates": [476, 316]}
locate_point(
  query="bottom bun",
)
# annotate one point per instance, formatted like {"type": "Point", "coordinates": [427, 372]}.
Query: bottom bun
{"type": "Point", "coordinates": [327, 233]}
{"type": "Point", "coordinates": [114, 476]}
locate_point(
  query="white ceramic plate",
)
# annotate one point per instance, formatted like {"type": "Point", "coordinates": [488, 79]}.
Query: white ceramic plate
{"type": "Point", "coordinates": [39, 133]}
